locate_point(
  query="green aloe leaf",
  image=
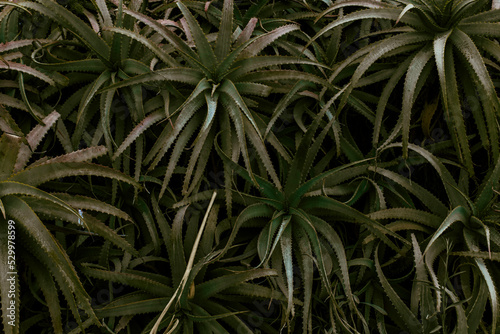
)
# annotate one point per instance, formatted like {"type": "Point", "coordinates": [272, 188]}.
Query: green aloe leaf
{"type": "Point", "coordinates": [258, 210]}
{"type": "Point", "coordinates": [208, 289]}
{"type": "Point", "coordinates": [467, 47]}
{"type": "Point", "coordinates": [475, 311]}
{"type": "Point", "coordinates": [178, 149]}
{"type": "Point", "coordinates": [385, 13]}
{"type": "Point", "coordinates": [265, 187]}
{"type": "Point", "coordinates": [230, 90]}
{"type": "Point", "coordinates": [170, 36]}
{"type": "Point", "coordinates": [9, 65]}
{"type": "Point", "coordinates": [37, 175]}
{"type": "Point", "coordinates": [205, 51]}
{"type": "Point", "coordinates": [449, 183]}
{"type": "Point", "coordinates": [195, 101]}
{"type": "Point", "coordinates": [458, 214]}
{"type": "Point", "coordinates": [86, 154]}
{"type": "Point", "coordinates": [184, 75]}
{"type": "Point", "coordinates": [24, 216]}
{"type": "Point", "coordinates": [336, 243]}
{"type": "Point", "coordinates": [410, 90]}
{"type": "Point", "coordinates": [286, 250]}
{"type": "Point", "coordinates": [409, 214]}
{"type": "Point", "coordinates": [49, 290]}
{"type": "Point", "coordinates": [33, 139]}
{"type": "Point", "coordinates": [424, 195]}
{"type": "Point", "coordinates": [134, 280]}
{"type": "Point", "coordinates": [454, 111]}
{"type": "Point", "coordinates": [486, 191]}
{"type": "Point", "coordinates": [439, 55]}
{"type": "Point", "coordinates": [164, 56]}
{"type": "Point", "coordinates": [84, 65]}
{"type": "Point", "coordinates": [270, 236]}
{"type": "Point", "coordinates": [421, 293]}
{"type": "Point", "coordinates": [225, 31]}
{"type": "Point", "coordinates": [410, 320]}
{"type": "Point", "coordinates": [308, 227]}
{"type": "Point", "coordinates": [383, 48]}
{"type": "Point", "coordinates": [264, 40]}
{"type": "Point", "coordinates": [16, 188]}
{"type": "Point", "coordinates": [93, 225]}
{"type": "Point", "coordinates": [353, 214]}
{"type": "Point", "coordinates": [9, 149]}
{"type": "Point", "coordinates": [485, 273]}
{"type": "Point", "coordinates": [70, 21]}
{"type": "Point", "coordinates": [88, 203]}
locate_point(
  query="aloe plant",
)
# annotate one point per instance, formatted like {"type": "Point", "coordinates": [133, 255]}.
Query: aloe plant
{"type": "Point", "coordinates": [18, 85]}
{"type": "Point", "coordinates": [109, 57]}
{"type": "Point", "coordinates": [200, 295]}
{"type": "Point", "coordinates": [462, 231]}
{"type": "Point", "coordinates": [444, 37]}
{"type": "Point", "coordinates": [222, 79]}
{"type": "Point", "coordinates": [295, 215]}
{"type": "Point", "coordinates": [23, 202]}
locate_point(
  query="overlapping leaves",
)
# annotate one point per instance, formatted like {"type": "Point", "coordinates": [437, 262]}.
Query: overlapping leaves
{"type": "Point", "coordinates": [443, 37]}
{"type": "Point", "coordinates": [22, 201]}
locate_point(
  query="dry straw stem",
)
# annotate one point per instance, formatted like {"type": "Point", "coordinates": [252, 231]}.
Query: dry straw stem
{"type": "Point", "coordinates": [189, 266]}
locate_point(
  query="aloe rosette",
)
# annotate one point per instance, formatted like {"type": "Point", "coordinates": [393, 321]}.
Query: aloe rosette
{"type": "Point", "coordinates": [454, 39]}
{"type": "Point", "coordinates": [222, 76]}
{"type": "Point", "coordinates": [23, 201]}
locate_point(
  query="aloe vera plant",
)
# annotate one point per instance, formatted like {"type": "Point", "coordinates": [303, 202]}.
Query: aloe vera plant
{"type": "Point", "coordinates": [221, 78]}
{"type": "Point", "coordinates": [201, 296]}
{"type": "Point", "coordinates": [109, 57]}
{"type": "Point", "coordinates": [18, 85]}
{"type": "Point", "coordinates": [296, 216]}
{"type": "Point", "coordinates": [22, 201]}
{"type": "Point", "coordinates": [458, 234]}
{"type": "Point", "coordinates": [448, 38]}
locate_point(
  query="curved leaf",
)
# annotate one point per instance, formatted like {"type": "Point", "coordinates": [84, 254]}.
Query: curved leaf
{"type": "Point", "coordinates": [37, 175]}
{"type": "Point", "coordinates": [410, 320]}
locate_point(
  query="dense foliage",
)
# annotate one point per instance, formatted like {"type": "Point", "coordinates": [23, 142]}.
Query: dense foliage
{"type": "Point", "coordinates": [261, 166]}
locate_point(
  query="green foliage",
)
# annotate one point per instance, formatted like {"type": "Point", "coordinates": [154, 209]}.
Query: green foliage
{"type": "Point", "coordinates": [443, 37]}
{"type": "Point", "coordinates": [250, 166]}
{"type": "Point", "coordinates": [23, 202]}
